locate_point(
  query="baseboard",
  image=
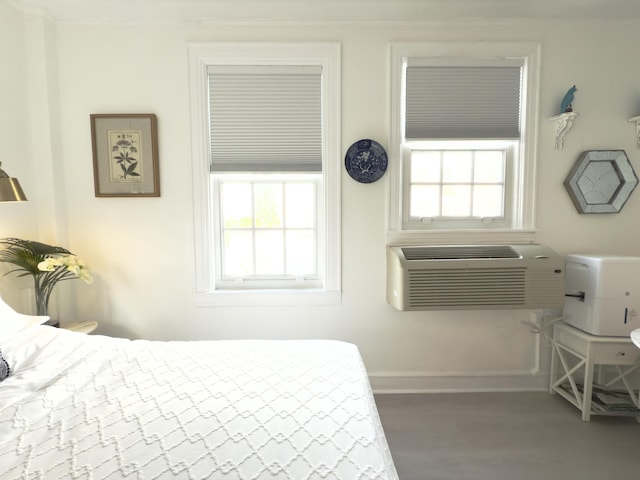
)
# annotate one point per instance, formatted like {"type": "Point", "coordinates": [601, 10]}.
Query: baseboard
{"type": "Point", "coordinates": [382, 384]}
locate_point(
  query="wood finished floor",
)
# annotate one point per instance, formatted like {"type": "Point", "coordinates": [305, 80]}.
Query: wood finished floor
{"type": "Point", "coordinates": [505, 436]}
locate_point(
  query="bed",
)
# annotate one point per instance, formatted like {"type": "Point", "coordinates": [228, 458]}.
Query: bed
{"type": "Point", "coordinates": [95, 407]}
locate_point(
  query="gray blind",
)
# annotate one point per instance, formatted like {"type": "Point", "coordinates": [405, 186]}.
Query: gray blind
{"type": "Point", "coordinates": [456, 102]}
{"type": "Point", "coordinates": [265, 119]}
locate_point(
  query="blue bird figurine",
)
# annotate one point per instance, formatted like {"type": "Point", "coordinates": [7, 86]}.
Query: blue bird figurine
{"type": "Point", "coordinates": [567, 100]}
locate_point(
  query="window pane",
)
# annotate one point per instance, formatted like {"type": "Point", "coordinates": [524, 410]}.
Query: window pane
{"type": "Point", "coordinates": [425, 201]}
{"type": "Point", "coordinates": [425, 167]}
{"type": "Point", "coordinates": [238, 253]}
{"type": "Point", "coordinates": [300, 205]}
{"type": "Point", "coordinates": [301, 254]}
{"type": "Point", "coordinates": [456, 166]}
{"type": "Point", "coordinates": [489, 167]}
{"type": "Point", "coordinates": [488, 201]}
{"type": "Point", "coordinates": [236, 205]}
{"type": "Point", "coordinates": [456, 200]}
{"type": "Point", "coordinates": [269, 252]}
{"type": "Point", "coordinates": [268, 205]}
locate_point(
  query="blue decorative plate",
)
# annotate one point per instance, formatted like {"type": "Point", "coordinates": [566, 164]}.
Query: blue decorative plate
{"type": "Point", "coordinates": [366, 161]}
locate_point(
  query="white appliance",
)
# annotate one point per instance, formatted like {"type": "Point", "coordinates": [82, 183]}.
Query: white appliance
{"type": "Point", "coordinates": [603, 294]}
{"type": "Point", "coordinates": [473, 277]}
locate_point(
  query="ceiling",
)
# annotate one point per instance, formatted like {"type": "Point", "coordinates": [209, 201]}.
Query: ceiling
{"type": "Point", "coordinates": [151, 11]}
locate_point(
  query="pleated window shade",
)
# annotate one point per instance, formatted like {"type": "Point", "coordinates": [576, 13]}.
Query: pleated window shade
{"type": "Point", "coordinates": [463, 102]}
{"type": "Point", "coordinates": [265, 118]}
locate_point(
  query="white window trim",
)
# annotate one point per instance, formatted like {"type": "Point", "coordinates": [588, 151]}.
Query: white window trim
{"type": "Point", "coordinates": [525, 204]}
{"type": "Point", "coordinates": [328, 55]}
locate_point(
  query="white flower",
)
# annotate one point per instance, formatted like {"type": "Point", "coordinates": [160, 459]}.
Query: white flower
{"type": "Point", "coordinates": [86, 276]}
{"type": "Point", "coordinates": [49, 264]}
{"type": "Point", "coordinates": [71, 263]}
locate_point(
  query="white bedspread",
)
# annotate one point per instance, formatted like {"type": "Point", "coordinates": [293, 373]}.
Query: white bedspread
{"type": "Point", "coordinates": [93, 407]}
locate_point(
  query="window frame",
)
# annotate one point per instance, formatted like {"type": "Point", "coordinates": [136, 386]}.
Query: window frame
{"type": "Point", "coordinates": [326, 55]}
{"type": "Point", "coordinates": [522, 228]}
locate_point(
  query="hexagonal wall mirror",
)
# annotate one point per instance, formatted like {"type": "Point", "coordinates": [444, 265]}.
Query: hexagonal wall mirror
{"type": "Point", "coordinates": [601, 181]}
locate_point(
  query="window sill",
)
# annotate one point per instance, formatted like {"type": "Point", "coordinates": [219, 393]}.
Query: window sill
{"type": "Point", "coordinates": [460, 237]}
{"type": "Point", "coordinates": [245, 298]}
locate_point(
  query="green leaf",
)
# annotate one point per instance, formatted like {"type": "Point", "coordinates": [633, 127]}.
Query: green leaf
{"type": "Point", "coordinates": [27, 254]}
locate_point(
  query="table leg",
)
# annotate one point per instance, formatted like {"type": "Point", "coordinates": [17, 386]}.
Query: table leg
{"type": "Point", "coordinates": [587, 389]}
{"type": "Point", "coordinates": [553, 372]}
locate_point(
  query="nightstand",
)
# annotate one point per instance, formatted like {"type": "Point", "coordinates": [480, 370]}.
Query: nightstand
{"type": "Point", "coordinates": [82, 327]}
{"type": "Point", "coordinates": [577, 355]}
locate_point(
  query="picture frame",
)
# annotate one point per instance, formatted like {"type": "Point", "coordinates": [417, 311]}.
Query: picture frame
{"type": "Point", "coordinates": [601, 181]}
{"type": "Point", "coordinates": [125, 155]}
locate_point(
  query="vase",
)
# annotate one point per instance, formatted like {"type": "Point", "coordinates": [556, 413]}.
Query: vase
{"type": "Point", "coordinates": [42, 307]}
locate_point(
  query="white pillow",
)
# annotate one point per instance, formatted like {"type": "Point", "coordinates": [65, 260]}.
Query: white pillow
{"type": "Point", "coordinates": [12, 321]}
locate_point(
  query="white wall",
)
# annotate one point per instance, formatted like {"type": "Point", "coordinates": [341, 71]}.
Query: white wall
{"type": "Point", "coordinates": [141, 250]}
{"type": "Point", "coordinates": [17, 152]}
{"type": "Point", "coordinates": [13, 118]}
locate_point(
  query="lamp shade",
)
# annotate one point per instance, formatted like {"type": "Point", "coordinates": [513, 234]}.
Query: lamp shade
{"type": "Point", "coordinates": [10, 189]}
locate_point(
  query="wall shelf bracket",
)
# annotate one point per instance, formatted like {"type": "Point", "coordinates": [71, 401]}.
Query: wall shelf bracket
{"type": "Point", "coordinates": [564, 122]}
{"type": "Point", "coordinates": [637, 122]}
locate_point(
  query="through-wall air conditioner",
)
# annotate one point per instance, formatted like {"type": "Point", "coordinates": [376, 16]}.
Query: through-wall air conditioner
{"type": "Point", "coordinates": [474, 277]}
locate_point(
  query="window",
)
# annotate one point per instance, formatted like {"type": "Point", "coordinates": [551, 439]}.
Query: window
{"type": "Point", "coordinates": [463, 131]}
{"type": "Point", "coordinates": [268, 230]}
{"type": "Point", "coordinates": [459, 184]}
{"type": "Point", "coordinates": [266, 180]}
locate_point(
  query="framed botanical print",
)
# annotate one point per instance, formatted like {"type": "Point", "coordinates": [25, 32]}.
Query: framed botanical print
{"type": "Point", "coordinates": [125, 155]}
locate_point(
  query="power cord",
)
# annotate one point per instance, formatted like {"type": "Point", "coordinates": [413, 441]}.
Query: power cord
{"type": "Point", "coordinates": [542, 325]}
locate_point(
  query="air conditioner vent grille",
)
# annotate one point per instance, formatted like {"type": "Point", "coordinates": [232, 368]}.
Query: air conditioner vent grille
{"type": "Point", "coordinates": [487, 287]}
{"type": "Point", "coordinates": [463, 252]}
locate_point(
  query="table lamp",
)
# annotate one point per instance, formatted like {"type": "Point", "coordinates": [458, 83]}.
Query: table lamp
{"type": "Point", "coordinates": [10, 189]}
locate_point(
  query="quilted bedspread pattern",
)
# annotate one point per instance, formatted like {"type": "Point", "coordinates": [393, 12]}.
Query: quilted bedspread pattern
{"type": "Point", "coordinates": [112, 408]}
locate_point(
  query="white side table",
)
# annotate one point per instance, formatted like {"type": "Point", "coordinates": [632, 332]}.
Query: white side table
{"type": "Point", "coordinates": [578, 354]}
{"type": "Point", "coordinates": [82, 327]}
